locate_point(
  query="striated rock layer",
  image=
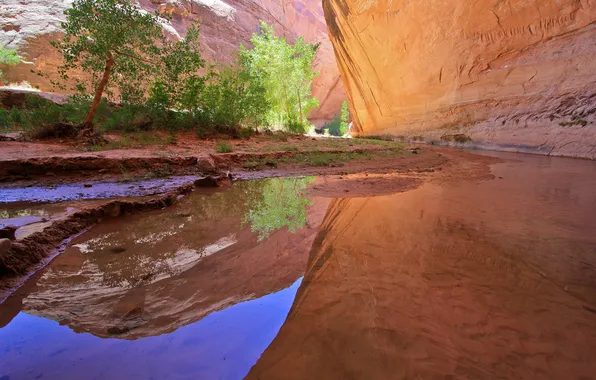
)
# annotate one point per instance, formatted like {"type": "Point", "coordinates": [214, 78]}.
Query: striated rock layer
{"type": "Point", "coordinates": [516, 74]}
{"type": "Point", "coordinates": [29, 26]}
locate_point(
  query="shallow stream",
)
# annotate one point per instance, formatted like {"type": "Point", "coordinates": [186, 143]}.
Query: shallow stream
{"type": "Point", "coordinates": [483, 279]}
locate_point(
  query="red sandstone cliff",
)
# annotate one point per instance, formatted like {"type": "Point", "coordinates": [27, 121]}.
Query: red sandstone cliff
{"type": "Point", "coordinates": [516, 74]}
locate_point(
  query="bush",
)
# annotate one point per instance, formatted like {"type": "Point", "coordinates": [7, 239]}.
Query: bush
{"type": "Point", "coordinates": [229, 100]}
{"type": "Point", "coordinates": [334, 126]}
{"type": "Point", "coordinates": [223, 147]}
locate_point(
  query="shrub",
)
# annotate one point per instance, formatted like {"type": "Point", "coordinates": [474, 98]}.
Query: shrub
{"type": "Point", "coordinates": [334, 126]}
{"type": "Point", "coordinates": [223, 147]}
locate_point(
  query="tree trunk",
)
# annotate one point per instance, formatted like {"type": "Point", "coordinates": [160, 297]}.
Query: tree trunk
{"type": "Point", "coordinates": [88, 123]}
{"type": "Point", "coordinates": [300, 106]}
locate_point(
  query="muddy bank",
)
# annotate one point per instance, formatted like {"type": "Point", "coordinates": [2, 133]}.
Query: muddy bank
{"type": "Point", "coordinates": [472, 275]}
{"type": "Point", "coordinates": [74, 169]}
{"type": "Point", "coordinates": [20, 257]}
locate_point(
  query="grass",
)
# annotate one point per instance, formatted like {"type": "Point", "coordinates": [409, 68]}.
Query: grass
{"type": "Point", "coordinates": [134, 140]}
{"type": "Point", "coordinates": [223, 147]}
{"type": "Point", "coordinates": [318, 159]}
{"type": "Point", "coordinates": [291, 148]}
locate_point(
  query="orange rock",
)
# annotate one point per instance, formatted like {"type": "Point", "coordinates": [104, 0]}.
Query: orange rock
{"type": "Point", "coordinates": [483, 68]}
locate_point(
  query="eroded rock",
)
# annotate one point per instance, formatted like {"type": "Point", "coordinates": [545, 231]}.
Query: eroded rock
{"type": "Point", "coordinates": [507, 74]}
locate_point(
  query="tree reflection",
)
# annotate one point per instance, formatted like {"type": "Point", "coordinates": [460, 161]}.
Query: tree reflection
{"type": "Point", "coordinates": [281, 203]}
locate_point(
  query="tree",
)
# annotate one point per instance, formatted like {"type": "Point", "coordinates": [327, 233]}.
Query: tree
{"type": "Point", "coordinates": [7, 57]}
{"type": "Point", "coordinates": [108, 38]}
{"type": "Point", "coordinates": [286, 72]}
{"type": "Point", "coordinates": [344, 127]}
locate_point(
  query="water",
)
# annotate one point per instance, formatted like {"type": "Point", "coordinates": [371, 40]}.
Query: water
{"type": "Point", "coordinates": [195, 291]}
{"type": "Point", "coordinates": [98, 190]}
{"type": "Point", "coordinates": [223, 345]}
{"type": "Point", "coordinates": [465, 277]}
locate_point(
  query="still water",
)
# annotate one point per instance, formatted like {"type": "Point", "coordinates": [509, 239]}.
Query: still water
{"type": "Point", "coordinates": [465, 277]}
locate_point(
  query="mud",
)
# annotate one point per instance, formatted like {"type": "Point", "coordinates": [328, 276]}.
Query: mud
{"type": "Point", "coordinates": [29, 253]}
{"type": "Point", "coordinates": [33, 164]}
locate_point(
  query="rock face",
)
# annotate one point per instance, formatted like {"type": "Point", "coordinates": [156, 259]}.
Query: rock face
{"type": "Point", "coordinates": [29, 26]}
{"type": "Point", "coordinates": [514, 73]}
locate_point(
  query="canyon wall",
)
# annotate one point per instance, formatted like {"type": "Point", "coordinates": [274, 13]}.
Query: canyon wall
{"type": "Point", "coordinates": [509, 74]}
{"type": "Point", "coordinates": [29, 26]}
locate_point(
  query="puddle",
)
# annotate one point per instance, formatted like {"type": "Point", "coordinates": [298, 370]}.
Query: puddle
{"type": "Point", "coordinates": [98, 190]}
{"type": "Point", "coordinates": [213, 276]}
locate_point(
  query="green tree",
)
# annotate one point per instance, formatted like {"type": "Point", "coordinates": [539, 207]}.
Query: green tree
{"type": "Point", "coordinates": [7, 57]}
{"type": "Point", "coordinates": [109, 38]}
{"type": "Point", "coordinates": [231, 97]}
{"type": "Point", "coordinates": [344, 127]}
{"type": "Point", "coordinates": [286, 72]}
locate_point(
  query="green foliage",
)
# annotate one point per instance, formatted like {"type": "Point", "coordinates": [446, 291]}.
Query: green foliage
{"type": "Point", "coordinates": [333, 126]}
{"type": "Point", "coordinates": [230, 98]}
{"type": "Point", "coordinates": [345, 118]}
{"type": "Point", "coordinates": [7, 57]}
{"type": "Point", "coordinates": [282, 204]}
{"type": "Point", "coordinates": [285, 72]}
{"type": "Point", "coordinates": [39, 113]}
{"type": "Point", "coordinates": [223, 147]}
{"type": "Point", "coordinates": [96, 30]}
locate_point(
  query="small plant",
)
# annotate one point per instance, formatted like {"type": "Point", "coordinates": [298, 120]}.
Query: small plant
{"type": "Point", "coordinates": [7, 57]}
{"type": "Point", "coordinates": [322, 159]}
{"type": "Point", "coordinates": [171, 139]}
{"type": "Point", "coordinates": [575, 121]}
{"type": "Point", "coordinates": [458, 138]}
{"type": "Point", "coordinates": [223, 147]}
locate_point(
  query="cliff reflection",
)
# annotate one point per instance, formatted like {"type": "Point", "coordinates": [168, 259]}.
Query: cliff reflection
{"type": "Point", "coordinates": [451, 281]}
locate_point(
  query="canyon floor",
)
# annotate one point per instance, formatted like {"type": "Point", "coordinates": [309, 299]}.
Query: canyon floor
{"type": "Point", "coordinates": [294, 257]}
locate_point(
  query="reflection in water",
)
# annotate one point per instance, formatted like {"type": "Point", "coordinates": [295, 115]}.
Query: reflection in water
{"type": "Point", "coordinates": [282, 203]}
{"type": "Point", "coordinates": [151, 273]}
{"type": "Point", "coordinates": [491, 280]}
{"type": "Point", "coordinates": [223, 345]}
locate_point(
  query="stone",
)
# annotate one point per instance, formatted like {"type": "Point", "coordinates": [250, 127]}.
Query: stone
{"type": "Point", "coordinates": [214, 181]}
{"type": "Point", "coordinates": [8, 232]}
{"type": "Point", "coordinates": [206, 164]}
{"type": "Point", "coordinates": [515, 73]}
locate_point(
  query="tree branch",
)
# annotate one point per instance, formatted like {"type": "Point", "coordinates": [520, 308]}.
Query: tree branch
{"type": "Point", "coordinates": [131, 56]}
